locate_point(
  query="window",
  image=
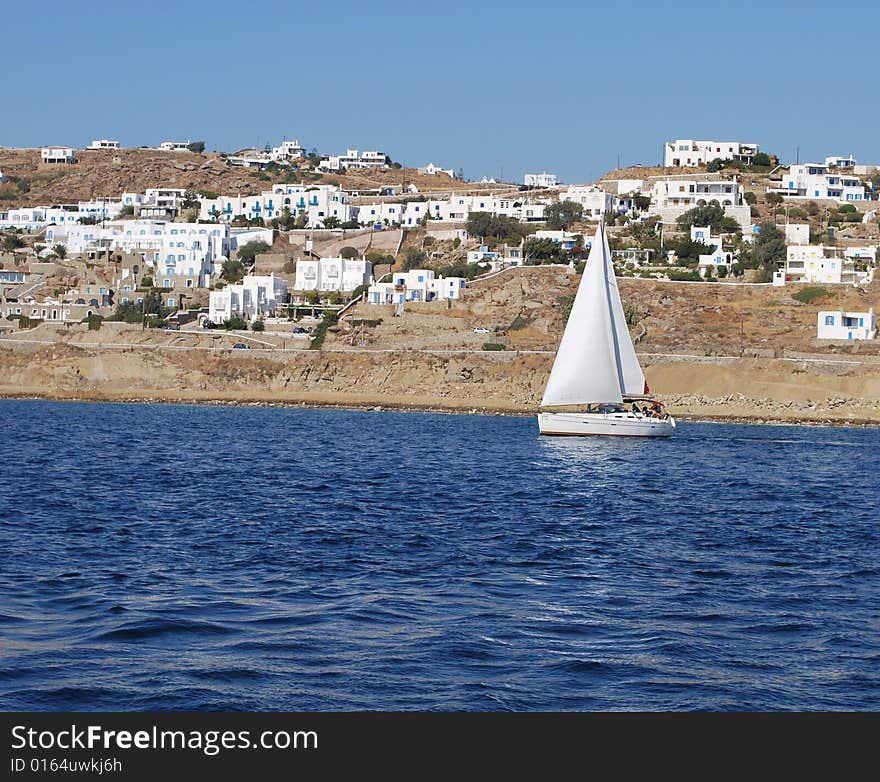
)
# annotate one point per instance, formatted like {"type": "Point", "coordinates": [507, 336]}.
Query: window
{"type": "Point", "coordinates": [829, 320]}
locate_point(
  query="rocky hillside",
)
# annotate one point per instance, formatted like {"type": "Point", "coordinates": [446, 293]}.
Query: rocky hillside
{"type": "Point", "coordinates": [106, 174]}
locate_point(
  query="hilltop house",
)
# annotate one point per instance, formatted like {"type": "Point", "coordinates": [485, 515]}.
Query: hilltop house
{"type": "Point", "coordinates": [671, 197]}
{"type": "Point", "coordinates": [595, 201]}
{"type": "Point", "coordinates": [369, 158]}
{"type": "Point", "coordinates": [432, 170]}
{"type": "Point", "coordinates": [103, 143]}
{"type": "Point", "coordinates": [846, 325]}
{"type": "Point", "coordinates": [57, 155]}
{"type": "Point", "coordinates": [287, 150]}
{"type": "Point", "coordinates": [541, 180]}
{"type": "Point", "coordinates": [174, 146]}
{"type": "Point", "coordinates": [818, 181]}
{"type": "Point", "coordinates": [687, 152]}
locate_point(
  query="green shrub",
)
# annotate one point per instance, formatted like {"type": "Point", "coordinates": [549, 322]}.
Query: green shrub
{"type": "Point", "coordinates": [493, 346]}
{"type": "Point", "coordinates": [94, 322]}
{"type": "Point", "coordinates": [321, 331]}
{"type": "Point", "coordinates": [677, 275]}
{"type": "Point", "coordinates": [258, 325]}
{"type": "Point", "coordinates": [235, 324]}
{"type": "Point", "coordinates": [368, 322]}
{"type": "Point", "coordinates": [809, 295]}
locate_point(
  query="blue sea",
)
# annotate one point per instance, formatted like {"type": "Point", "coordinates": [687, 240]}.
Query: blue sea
{"type": "Point", "coordinates": [244, 558]}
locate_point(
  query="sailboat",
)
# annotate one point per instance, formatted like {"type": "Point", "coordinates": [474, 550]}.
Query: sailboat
{"type": "Point", "coordinates": [596, 386]}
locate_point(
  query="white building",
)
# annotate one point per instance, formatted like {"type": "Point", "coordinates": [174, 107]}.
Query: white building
{"type": "Point", "coordinates": [835, 265]}
{"type": "Point", "coordinates": [564, 238]}
{"type": "Point", "coordinates": [840, 161]}
{"type": "Point", "coordinates": [846, 325]}
{"type": "Point", "coordinates": [25, 219]}
{"type": "Point", "coordinates": [254, 298]}
{"type": "Point", "coordinates": [594, 200]}
{"type": "Point", "coordinates": [711, 262]}
{"type": "Point", "coordinates": [287, 150]}
{"type": "Point", "coordinates": [174, 146]}
{"type": "Point", "coordinates": [332, 274]}
{"type": "Point", "coordinates": [416, 285]}
{"type": "Point", "coordinates": [57, 155]}
{"type": "Point", "coordinates": [797, 233]}
{"type": "Point", "coordinates": [316, 202]}
{"type": "Point", "coordinates": [194, 250]}
{"type": "Point", "coordinates": [540, 180]}
{"type": "Point", "coordinates": [815, 181]}
{"type": "Point", "coordinates": [369, 158]}
{"type": "Point", "coordinates": [103, 143]}
{"type": "Point", "coordinates": [432, 170]}
{"type": "Point", "coordinates": [688, 153]}
{"type": "Point", "coordinates": [673, 196]}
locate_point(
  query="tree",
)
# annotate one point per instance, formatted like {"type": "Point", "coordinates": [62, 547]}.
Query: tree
{"type": "Point", "coordinates": [258, 325]}
{"type": "Point", "coordinates": [563, 214]}
{"type": "Point", "coordinates": [542, 250]}
{"type": "Point", "coordinates": [716, 164]}
{"type": "Point", "coordinates": [247, 252]}
{"type": "Point", "coordinates": [762, 159]}
{"type": "Point", "coordinates": [331, 222]}
{"type": "Point", "coordinates": [60, 251]}
{"type": "Point", "coordinates": [11, 241]}
{"type": "Point", "coordinates": [146, 282]}
{"type": "Point", "coordinates": [190, 200]}
{"type": "Point", "coordinates": [414, 258]}
{"type": "Point", "coordinates": [767, 251]}
{"type": "Point", "coordinates": [349, 252]}
{"type": "Point", "coordinates": [750, 198]}
{"type": "Point", "coordinates": [232, 270]}
{"type": "Point", "coordinates": [499, 228]}
{"type": "Point", "coordinates": [285, 221]}
{"type": "Point", "coordinates": [711, 215]}
{"type": "Point", "coordinates": [196, 146]}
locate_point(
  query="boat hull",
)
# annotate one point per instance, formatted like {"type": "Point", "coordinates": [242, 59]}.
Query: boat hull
{"type": "Point", "coordinates": [604, 424]}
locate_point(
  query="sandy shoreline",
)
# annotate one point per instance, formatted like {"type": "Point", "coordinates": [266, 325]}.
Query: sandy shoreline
{"type": "Point", "coordinates": [239, 400]}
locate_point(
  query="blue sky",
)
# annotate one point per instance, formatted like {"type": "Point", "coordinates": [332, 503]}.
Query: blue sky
{"type": "Point", "coordinates": [484, 86]}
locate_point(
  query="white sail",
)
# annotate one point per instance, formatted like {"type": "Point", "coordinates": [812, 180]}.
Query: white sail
{"type": "Point", "coordinates": [587, 367]}
{"type": "Point", "coordinates": [632, 379]}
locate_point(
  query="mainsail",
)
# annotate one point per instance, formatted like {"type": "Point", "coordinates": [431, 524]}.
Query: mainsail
{"type": "Point", "coordinates": [596, 360]}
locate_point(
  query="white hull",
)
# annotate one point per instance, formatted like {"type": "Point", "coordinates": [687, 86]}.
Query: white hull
{"type": "Point", "coordinates": [618, 424]}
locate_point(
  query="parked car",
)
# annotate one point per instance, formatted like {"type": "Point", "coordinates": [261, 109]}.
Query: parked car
{"type": "Point", "coordinates": [241, 346]}
{"type": "Point", "coordinates": [480, 330]}
{"type": "Point", "coordinates": [299, 330]}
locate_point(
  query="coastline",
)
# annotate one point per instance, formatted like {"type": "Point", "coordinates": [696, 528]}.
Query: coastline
{"type": "Point", "coordinates": [384, 405]}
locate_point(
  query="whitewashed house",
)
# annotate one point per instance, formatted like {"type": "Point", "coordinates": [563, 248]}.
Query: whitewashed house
{"type": "Point", "coordinates": [254, 298]}
{"type": "Point", "coordinates": [594, 200]}
{"type": "Point", "coordinates": [417, 285]}
{"type": "Point", "coordinates": [353, 158]}
{"type": "Point", "coordinates": [711, 262]}
{"type": "Point", "coordinates": [432, 170]}
{"type": "Point", "coordinates": [174, 146]}
{"type": "Point", "coordinates": [287, 150]}
{"type": "Point", "coordinates": [673, 196]}
{"type": "Point", "coordinates": [103, 143]}
{"type": "Point", "coordinates": [797, 233]}
{"type": "Point", "coordinates": [846, 325]}
{"type": "Point", "coordinates": [315, 202]}
{"type": "Point", "coordinates": [840, 161]}
{"type": "Point", "coordinates": [541, 180]}
{"type": "Point", "coordinates": [817, 181]}
{"type": "Point", "coordinates": [31, 218]}
{"type": "Point", "coordinates": [836, 265]}
{"type": "Point", "coordinates": [57, 155]}
{"type": "Point", "coordinates": [342, 275]}
{"type": "Point", "coordinates": [684, 153]}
